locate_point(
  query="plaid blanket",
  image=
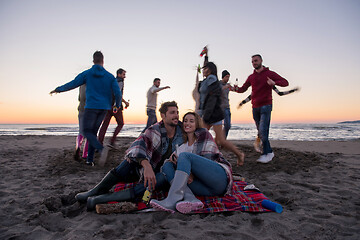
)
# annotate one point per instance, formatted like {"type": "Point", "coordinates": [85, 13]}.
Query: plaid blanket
{"type": "Point", "coordinates": [238, 200]}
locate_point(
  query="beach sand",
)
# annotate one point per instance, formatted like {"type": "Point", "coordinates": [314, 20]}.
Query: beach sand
{"type": "Point", "coordinates": [317, 183]}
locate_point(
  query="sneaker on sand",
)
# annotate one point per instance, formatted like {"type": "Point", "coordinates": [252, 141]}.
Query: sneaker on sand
{"type": "Point", "coordinates": [262, 159]}
{"type": "Point", "coordinates": [270, 156]}
{"type": "Point", "coordinates": [266, 158]}
{"type": "Point", "coordinates": [104, 155]}
{"type": "Point", "coordinates": [91, 164]}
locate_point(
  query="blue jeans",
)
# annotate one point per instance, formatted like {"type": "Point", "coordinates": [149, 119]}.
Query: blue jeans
{"type": "Point", "coordinates": [262, 117]}
{"type": "Point", "coordinates": [151, 118]}
{"type": "Point", "coordinates": [130, 172]}
{"type": "Point", "coordinates": [81, 122]}
{"type": "Point", "coordinates": [210, 178]}
{"type": "Point", "coordinates": [227, 121]}
{"type": "Point", "coordinates": [91, 121]}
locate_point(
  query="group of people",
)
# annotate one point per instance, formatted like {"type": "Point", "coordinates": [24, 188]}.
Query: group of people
{"type": "Point", "coordinates": [181, 157]}
{"type": "Point", "coordinates": [262, 82]}
{"type": "Point", "coordinates": [99, 103]}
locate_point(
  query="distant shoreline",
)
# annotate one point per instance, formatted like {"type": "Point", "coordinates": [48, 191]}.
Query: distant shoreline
{"type": "Point", "coordinates": [294, 132]}
{"type": "Point", "coordinates": [357, 121]}
{"type": "Point", "coordinates": [234, 122]}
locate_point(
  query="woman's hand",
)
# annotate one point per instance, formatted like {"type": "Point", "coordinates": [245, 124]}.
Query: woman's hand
{"type": "Point", "coordinates": [190, 179]}
{"type": "Point", "coordinates": [173, 158]}
{"type": "Point", "coordinates": [149, 175]}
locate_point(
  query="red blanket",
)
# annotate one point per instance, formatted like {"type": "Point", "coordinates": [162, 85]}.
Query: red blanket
{"type": "Point", "coordinates": [238, 200]}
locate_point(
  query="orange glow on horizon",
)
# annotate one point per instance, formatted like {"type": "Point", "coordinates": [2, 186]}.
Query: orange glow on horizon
{"type": "Point", "coordinates": [71, 118]}
{"type": "Point", "coordinates": [46, 115]}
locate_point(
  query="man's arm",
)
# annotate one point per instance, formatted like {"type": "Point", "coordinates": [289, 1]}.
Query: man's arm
{"type": "Point", "coordinates": [276, 79]}
{"type": "Point", "coordinates": [285, 92]}
{"type": "Point", "coordinates": [78, 81]}
{"type": "Point", "coordinates": [243, 88]}
{"type": "Point", "coordinates": [244, 101]}
{"type": "Point", "coordinates": [159, 89]}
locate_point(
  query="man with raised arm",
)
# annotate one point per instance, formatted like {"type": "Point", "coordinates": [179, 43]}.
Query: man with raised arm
{"type": "Point", "coordinates": [262, 81]}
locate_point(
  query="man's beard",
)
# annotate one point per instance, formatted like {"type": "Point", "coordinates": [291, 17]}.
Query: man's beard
{"type": "Point", "coordinates": [258, 67]}
{"type": "Point", "coordinates": [173, 124]}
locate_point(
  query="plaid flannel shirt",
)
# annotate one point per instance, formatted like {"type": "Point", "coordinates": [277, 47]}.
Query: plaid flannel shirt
{"type": "Point", "coordinates": [152, 144]}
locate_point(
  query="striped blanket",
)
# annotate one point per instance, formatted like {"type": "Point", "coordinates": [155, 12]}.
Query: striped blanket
{"type": "Point", "coordinates": [238, 200]}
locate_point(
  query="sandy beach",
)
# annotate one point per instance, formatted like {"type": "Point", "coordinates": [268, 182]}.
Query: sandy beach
{"type": "Point", "coordinates": [317, 183]}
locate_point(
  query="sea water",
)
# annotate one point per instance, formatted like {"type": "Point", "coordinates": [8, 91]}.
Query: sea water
{"type": "Point", "coordinates": [291, 131]}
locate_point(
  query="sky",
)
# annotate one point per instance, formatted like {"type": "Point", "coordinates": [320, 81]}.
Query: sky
{"type": "Point", "coordinates": [313, 44]}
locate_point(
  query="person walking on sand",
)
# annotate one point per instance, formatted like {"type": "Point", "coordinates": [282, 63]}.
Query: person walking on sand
{"type": "Point", "coordinates": [80, 137]}
{"type": "Point", "coordinates": [225, 103]}
{"type": "Point", "coordinates": [143, 161]}
{"type": "Point", "coordinates": [100, 87]}
{"type": "Point", "coordinates": [152, 101]}
{"type": "Point", "coordinates": [120, 77]}
{"type": "Point", "coordinates": [262, 81]}
{"type": "Point", "coordinates": [196, 167]}
{"type": "Point", "coordinates": [211, 106]}
{"type": "Point", "coordinates": [211, 111]}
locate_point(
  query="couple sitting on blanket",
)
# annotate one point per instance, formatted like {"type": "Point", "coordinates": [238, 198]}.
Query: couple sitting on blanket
{"type": "Point", "coordinates": [155, 160]}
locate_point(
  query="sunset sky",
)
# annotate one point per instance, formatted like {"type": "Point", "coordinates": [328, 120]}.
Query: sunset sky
{"type": "Point", "coordinates": [313, 44]}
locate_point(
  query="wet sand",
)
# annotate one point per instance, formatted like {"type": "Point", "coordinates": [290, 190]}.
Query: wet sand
{"type": "Point", "coordinates": [317, 183]}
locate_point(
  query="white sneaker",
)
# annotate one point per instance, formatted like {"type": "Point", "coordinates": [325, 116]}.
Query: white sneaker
{"type": "Point", "coordinates": [263, 159]}
{"type": "Point", "coordinates": [270, 156]}
{"type": "Point", "coordinates": [266, 158]}
{"type": "Point", "coordinates": [104, 155]}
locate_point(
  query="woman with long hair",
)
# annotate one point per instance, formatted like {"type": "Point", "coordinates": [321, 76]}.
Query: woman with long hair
{"type": "Point", "coordinates": [211, 111]}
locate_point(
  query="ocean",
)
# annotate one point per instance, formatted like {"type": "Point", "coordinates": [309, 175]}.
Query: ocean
{"type": "Point", "coordinates": [293, 131]}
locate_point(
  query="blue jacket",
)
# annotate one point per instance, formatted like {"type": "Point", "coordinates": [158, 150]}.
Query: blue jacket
{"type": "Point", "coordinates": [100, 87]}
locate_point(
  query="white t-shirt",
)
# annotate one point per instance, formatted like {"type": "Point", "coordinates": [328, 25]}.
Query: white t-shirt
{"type": "Point", "coordinates": [152, 97]}
{"type": "Point", "coordinates": [184, 148]}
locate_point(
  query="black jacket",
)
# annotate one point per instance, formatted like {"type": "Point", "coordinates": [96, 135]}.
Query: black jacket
{"type": "Point", "coordinates": [212, 111]}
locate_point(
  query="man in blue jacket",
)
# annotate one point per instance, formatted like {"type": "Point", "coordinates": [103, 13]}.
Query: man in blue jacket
{"type": "Point", "coordinates": [100, 87]}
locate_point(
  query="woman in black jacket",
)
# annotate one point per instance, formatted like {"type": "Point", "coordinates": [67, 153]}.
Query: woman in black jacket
{"type": "Point", "coordinates": [211, 111]}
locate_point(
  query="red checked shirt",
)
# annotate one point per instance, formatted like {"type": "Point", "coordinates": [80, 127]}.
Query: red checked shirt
{"type": "Point", "coordinates": [261, 94]}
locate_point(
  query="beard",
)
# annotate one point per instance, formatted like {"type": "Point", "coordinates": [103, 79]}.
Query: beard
{"type": "Point", "coordinates": [257, 67]}
{"type": "Point", "coordinates": [172, 124]}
